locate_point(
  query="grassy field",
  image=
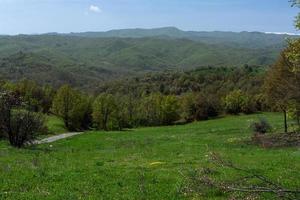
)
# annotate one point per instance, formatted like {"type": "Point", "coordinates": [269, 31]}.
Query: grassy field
{"type": "Point", "coordinates": [145, 163]}
{"type": "Point", "coordinates": [55, 125]}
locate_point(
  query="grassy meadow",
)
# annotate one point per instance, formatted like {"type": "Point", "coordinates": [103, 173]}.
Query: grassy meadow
{"type": "Point", "coordinates": [55, 125]}
{"type": "Point", "coordinates": [144, 163]}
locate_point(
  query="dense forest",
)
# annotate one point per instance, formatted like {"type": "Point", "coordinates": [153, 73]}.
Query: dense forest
{"type": "Point", "coordinates": [83, 61]}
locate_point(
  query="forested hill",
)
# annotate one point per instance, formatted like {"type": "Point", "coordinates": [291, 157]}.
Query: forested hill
{"type": "Point", "coordinates": [241, 39]}
{"type": "Point", "coordinates": [85, 59]}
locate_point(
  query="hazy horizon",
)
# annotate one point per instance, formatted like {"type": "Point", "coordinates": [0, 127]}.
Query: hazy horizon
{"type": "Point", "coordinates": [137, 28]}
{"type": "Point", "coordinates": [66, 16]}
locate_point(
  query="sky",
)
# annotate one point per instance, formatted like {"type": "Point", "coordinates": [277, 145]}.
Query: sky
{"type": "Point", "coordinates": [64, 16]}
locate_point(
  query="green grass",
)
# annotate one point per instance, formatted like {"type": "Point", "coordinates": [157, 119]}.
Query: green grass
{"type": "Point", "coordinates": [55, 125]}
{"type": "Point", "coordinates": [117, 165]}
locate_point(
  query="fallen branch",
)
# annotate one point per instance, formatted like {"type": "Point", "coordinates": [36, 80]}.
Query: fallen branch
{"type": "Point", "coordinates": [251, 183]}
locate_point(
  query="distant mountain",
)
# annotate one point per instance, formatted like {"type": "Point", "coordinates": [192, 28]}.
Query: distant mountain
{"type": "Point", "coordinates": [85, 59]}
{"type": "Point", "coordinates": [242, 39]}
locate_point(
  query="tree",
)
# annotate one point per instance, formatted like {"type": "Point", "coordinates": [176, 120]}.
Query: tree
{"type": "Point", "coordinates": [37, 99]}
{"type": "Point", "coordinates": [197, 106]}
{"type": "Point", "coordinates": [234, 101]}
{"type": "Point", "coordinates": [279, 85]}
{"type": "Point", "coordinates": [188, 107]}
{"type": "Point", "coordinates": [150, 112]}
{"type": "Point", "coordinates": [71, 106]}
{"type": "Point", "coordinates": [296, 3]}
{"type": "Point", "coordinates": [207, 106]}
{"type": "Point", "coordinates": [105, 112]}
{"type": "Point", "coordinates": [169, 110]}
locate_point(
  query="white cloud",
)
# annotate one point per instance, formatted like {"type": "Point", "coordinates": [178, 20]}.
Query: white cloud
{"type": "Point", "coordinates": [95, 9]}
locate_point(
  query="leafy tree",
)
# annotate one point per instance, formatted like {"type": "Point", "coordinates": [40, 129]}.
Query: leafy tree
{"type": "Point", "coordinates": [234, 101]}
{"type": "Point", "coordinates": [105, 112]}
{"type": "Point", "coordinates": [37, 99]}
{"type": "Point", "coordinates": [188, 107]}
{"type": "Point", "coordinates": [248, 105]}
{"type": "Point", "coordinates": [296, 3]}
{"type": "Point", "coordinates": [150, 112]}
{"type": "Point", "coordinates": [279, 85]}
{"type": "Point", "coordinates": [207, 106]}
{"type": "Point", "coordinates": [169, 110]}
{"type": "Point", "coordinates": [197, 106]}
{"type": "Point", "coordinates": [71, 106]}
{"type": "Point", "coordinates": [294, 111]}
{"type": "Point", "coordinates": [282, 83]}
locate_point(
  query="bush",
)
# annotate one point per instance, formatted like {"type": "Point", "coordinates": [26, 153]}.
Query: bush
{"type": "Point", "coordinates": [261, 127]}
{"type": "Point", "coordinates": [25, 126]}
{"type": "Point", "coordinates": [7, 102]}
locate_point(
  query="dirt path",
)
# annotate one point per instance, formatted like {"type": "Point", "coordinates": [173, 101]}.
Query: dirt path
{"type": "Point", "coordinates": [55, 138]}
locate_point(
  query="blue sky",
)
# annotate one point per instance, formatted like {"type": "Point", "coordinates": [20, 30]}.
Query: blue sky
{"type": "Point", "coordinates": [40, 16]}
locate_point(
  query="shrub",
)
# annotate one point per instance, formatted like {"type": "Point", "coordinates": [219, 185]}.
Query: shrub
{"type": "Point", "coordinates": [24, 127]}
{"type": "Point", "coordinates": [261, 127]}
{"type": "Point", "coordinates": [7, 102]}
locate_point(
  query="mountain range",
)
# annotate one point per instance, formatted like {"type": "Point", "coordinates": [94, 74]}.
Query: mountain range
{"type": "Point", "coordinates": [85, 59]}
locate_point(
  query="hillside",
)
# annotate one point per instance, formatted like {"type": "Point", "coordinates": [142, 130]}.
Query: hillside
{"type": "Point", "coordinates": [85, 59]}
{"type": "Point", "coordinates": [145, 163]}
{"type": "Point", "coordinates": [242, 39]}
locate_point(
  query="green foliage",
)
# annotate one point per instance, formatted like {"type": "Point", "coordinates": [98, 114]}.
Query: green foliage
{"type": "Point", "coordinates": [25, 126]}
{"type": "Point", "coordinates": [157, 109]}
{"type": "Point", "coordinates": [83, 62]}
{"type": "Point", "coordinates": [105, 112]}
{"type": "Point", "coordinates": [294, 111]}
{"type": "Point", "coordinates": [282, 85]}
{"type": "Point", "coordinates": [7, 102]}
{"type": "Point", "coordinates": [72, 107]}
{"type": "Point", "coordinates": [217, 81]}
{"type": "Point", "coordinates": [36, 98]}
{"type": "Point", "coordinates": [197, 106]}
{"type": "Point", "coordinates": [296, 3]}
{"type": "Point", "coordinates": [16, 124]}
{"type": "Point", "coordinates": [169, 110]}
{"type": "Point", "coordinates": [237, 102]}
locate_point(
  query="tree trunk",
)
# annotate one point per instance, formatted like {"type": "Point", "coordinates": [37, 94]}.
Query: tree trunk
{"type": "Point", "coordinates": [285, 122]}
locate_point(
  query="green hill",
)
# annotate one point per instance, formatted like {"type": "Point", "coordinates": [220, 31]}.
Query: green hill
{"type": "Point", "coordinates": [249, 39]}
{"type": "Point", "coordinates": [85, 59]}
{"type": "Point", "coordinates": [145, 163]}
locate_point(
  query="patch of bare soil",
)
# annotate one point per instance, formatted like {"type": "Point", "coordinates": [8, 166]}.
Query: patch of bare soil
{"type": "Point", "coordinates": [291, 139]}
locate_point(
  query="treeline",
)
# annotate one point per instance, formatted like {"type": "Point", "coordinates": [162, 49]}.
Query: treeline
{"type": "Point", "coordinates": [216, 80]}
{"type": "Point", "coordinates": [151, 100]}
